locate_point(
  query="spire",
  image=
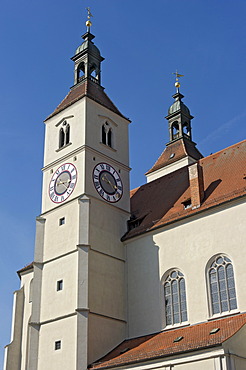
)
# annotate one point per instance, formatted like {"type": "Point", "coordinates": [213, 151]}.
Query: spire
{"type": "Point", "coordinates": [87, 58]}
{"type": "Point", "coordinates": [179, 117]}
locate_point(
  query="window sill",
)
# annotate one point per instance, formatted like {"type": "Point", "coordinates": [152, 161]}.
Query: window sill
{"type": "Point", "coordinates": [63, 147]}
{"type": "Point", "coordinates": [175, 326]}
{"type": "Point", "coordinates": [109, 147]}
{"type": "Point", "coordinates": [223, 314]}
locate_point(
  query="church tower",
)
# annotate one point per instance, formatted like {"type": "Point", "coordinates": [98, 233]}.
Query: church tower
{"type": "Point", "coordinates": [180, 151]}
{"type": "Point", "coordinates": [78, 310]}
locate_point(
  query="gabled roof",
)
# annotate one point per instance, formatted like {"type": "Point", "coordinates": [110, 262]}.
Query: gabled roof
{"type": "Point", "coordinates": [160, 202]}
{"type": "Point", "coordinates": [174, 151]}
{"type": "Point", "coordinates": [150, 347]}
{"type": "Point", "coordinates": [91, 90]}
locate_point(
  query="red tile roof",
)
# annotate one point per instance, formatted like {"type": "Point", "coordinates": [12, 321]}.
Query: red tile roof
{"type": "Point", "coordinates": [160, 202]}
{"type": "Point", "coordinates": [91, 90]}
{"type": "Point", "coordinates": [162, 344]}
{"type": "Point", "coordinates": [181, 149]}
{"type": "Point", "coordinates": [26, 268]}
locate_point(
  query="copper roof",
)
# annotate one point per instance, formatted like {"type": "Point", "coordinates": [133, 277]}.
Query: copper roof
{"type": "Point", "coordinates": [160, 202]}
{"type": "Point", "coordinates": [174, 151]}
{"type": "Point", "coordinates": [195, 337]}
{"type": "Point", "coordinates": [91, 90]}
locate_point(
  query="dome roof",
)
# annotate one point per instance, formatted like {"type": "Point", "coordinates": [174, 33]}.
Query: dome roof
{"type": "Point", "coordinates": [178, 105]}
{"type": "Point", "coordinates": [87, 44]}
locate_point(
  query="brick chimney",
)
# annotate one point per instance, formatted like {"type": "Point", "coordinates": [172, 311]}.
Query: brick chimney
{"type": "Point", "coordinates": [196, 185]}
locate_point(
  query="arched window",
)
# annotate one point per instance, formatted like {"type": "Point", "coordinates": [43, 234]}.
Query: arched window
{"type": "Point", "coordinates": [175, 298]}
{"type": "Point", "coordinates": [222, 285]}
{"type": "Point", "coordinates": [61, 138]}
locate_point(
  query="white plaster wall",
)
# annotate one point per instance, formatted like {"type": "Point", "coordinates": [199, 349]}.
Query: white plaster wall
{"type": "Point", "coordinates": [207, 364]}
{"type": "Point", "coordinates": [107, 225]}
{"type": "Point", "coordinates": [101, 341]}
{"type": "Point", "coordinates": [106, 285]}
{"type": "Point", "coordinates": [187, 245]}
{"type": "Point", "coordinates": [65, 358]}
{"type": "Point", "coordinates": [75, 117]}
{"type": "Point", "coordinates": [96, 115]}
{"type": "Point", "coordinates": [58, 303]}
{"type": "Point", "coordinates": [169, 168]}
{"type": "Point", "coordinates": [26, 279]}
{"type": "Point", "coordinates": [59, 240]}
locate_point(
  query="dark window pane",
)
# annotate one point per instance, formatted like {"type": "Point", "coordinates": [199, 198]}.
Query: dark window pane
{"type": "Point", "coordinates": [174, 286]}
{"type": "Point", "coordinates": [176, 308]}
{"type": "Point", "coordinates": [184, 316]}
{"type": "Point", "coordinates": [176, 318]}
{"type": "Point", "coordinates": [169, 320]}
{"type": "Point", "coordinates": [223, 295]}
{"type": "Point", "coordinates": [219, 260]}
{"type": "Point", "coordinates": [233, 304]}
{"type": "Point", "coordinates": [232, 293]}
{"type": "Point", "coordinates": [214, 288]}
{"type": "Point", "coordinates": [229, 271]}
{"type": "Point", "coordinates": [175, 298]}
{"type": "Point", "coordinates": [216, 308]}
{"type": "Point", "coordinates": [224, 306]}
{"type": "Point", "coordinates": [221, 272]}
{"type": "Point", "coordinates": [215, 297]}
{"type": "Point", "coordinates": [230, 283]}
{"type": "Point", "coordinates": [222, 284]}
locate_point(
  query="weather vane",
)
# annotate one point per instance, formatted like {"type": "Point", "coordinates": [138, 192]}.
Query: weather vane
{"type": "Point", "coordinates": [88, 22]}
{"type": "Point", "coordinates": [177, 83]}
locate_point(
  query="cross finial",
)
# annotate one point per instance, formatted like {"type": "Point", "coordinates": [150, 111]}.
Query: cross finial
{"type": "Point", "coordinates": [177, 83]}
{"type": "Point", "coordinates": [88, 22]}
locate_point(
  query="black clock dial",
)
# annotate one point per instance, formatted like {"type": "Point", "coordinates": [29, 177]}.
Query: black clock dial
{"type": "Point", "coordinates": [107, 182]}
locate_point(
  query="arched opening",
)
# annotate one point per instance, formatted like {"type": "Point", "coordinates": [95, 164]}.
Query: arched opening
{"type": "Point", "coordinates": [104, 135]}
{"type": "Point", "coordinates": [93, 71]}
{"type": "Point", "coordinates": [175, 130]}
{"type": "Point", "coordinates": [186, 129]}
{"type": "Point", "coordinates": [67, 135]}
{"type": "Point", "coordinates": [110, 137]}
{"type": "Point", "coordinates": [61, 138]}
{"type": "Point", "coordinates": [81, 72]}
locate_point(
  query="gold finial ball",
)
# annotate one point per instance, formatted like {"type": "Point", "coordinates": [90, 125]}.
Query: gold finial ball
{"type": "Point", "coordinates": [88, 23]}
{"type": "Point", "coordinates": [177, 84]}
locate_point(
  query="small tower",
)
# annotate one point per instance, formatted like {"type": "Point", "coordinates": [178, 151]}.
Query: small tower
{"type": "Point", "coordinates": [87, 58]}
{"type": "Point", "coordinates": [180, 151]}
{"type": "Point", "coordinates": [179, 119]}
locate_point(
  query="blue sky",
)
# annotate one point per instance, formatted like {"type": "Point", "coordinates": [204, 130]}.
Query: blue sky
{"type": "Point", "coordinates": [143, 42]}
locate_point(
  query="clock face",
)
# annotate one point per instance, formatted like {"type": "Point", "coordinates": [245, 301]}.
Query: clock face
{"type": "Point", "coordinates": [107, 182]}
{"type": "Point", "coordinates": [63, 183]}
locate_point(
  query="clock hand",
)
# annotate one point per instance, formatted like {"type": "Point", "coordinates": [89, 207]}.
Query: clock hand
{"type": "Point", "coordinates": [104, 178]}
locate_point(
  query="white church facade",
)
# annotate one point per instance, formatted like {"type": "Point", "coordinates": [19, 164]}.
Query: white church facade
{"type": "Point", "coordinates": [152, 278]}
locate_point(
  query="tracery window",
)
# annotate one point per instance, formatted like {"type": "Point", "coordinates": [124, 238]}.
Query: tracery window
{"type": "Point", "coordinates": [175, 298]}
{"type": "Point", "coordinates": [222, 285]}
